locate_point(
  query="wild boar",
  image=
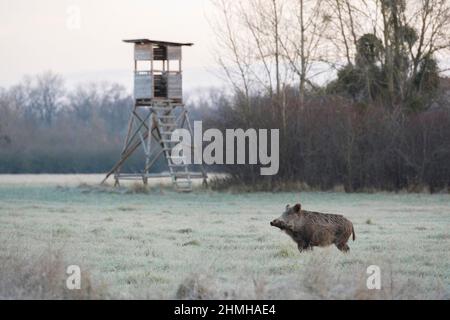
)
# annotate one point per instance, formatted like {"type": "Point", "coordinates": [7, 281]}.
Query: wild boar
{"type": "Point", "coordinates": [313, 229]}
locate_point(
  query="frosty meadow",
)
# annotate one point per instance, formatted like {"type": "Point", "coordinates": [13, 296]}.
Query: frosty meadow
{"type": "Point", "coordinates": [206, 245]}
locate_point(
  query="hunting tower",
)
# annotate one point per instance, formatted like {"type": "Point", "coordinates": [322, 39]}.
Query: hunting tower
{"type": "Point", "coordinates": [158, 111]}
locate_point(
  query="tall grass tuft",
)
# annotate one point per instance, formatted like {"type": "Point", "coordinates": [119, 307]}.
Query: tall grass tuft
{"type": "Point", "coordinates": [42, 277]}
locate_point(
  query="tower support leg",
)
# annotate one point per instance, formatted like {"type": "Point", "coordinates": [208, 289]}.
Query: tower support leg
{"type": "Point", "coordinates": [149, 126]}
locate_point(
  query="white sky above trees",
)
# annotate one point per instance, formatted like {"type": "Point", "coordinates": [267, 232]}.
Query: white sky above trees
{"type": "Point", "coordinates": [35, 37]}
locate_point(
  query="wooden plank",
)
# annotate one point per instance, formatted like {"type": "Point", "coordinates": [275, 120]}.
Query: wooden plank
{"type": "Point", "coordinates": [174, 86]}
{"type": "Point", "coordinates": [143, 52]}
{"type": "Point", "coordinates": [143, 86]}
{"type": "Point", "coordinates": [173, 52]}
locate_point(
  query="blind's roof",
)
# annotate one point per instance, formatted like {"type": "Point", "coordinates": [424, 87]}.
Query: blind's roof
{"type": "Point", "coordinates": [148, 41]}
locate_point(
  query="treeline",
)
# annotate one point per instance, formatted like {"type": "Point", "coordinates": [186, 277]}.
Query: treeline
{"type": "Point", "coordinates": [330, 141]}
{"type": "Point", "coordinates": [45, 128]}
{"type": "Point", "coordinates": [378, 118]}
{"type": "Point", "coordinates": [333, 142]}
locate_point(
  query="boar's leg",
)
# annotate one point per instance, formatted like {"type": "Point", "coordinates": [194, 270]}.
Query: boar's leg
{"type": "Point", "coordinates": [302, 246]}
{"type": "Point", "coordinates": [343, 247]}
{"type": "Point", "coordinates": [302, 243]}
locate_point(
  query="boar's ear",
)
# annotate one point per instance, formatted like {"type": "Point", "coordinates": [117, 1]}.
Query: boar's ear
{"type": "Point", "coordinates": [287, 206]}
{"type": "Point", "coordinates": [297, 208]}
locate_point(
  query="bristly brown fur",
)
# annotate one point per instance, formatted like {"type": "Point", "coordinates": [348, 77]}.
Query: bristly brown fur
{"type": "Point", "coordinates": [314, 229]}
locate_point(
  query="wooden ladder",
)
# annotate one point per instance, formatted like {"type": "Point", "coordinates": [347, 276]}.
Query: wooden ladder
{"type": "Point", "coordinates": [179, 171]}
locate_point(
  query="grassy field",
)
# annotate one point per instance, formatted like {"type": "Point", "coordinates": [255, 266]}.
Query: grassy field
{"type": "Point", "coordinates": [212, 245]}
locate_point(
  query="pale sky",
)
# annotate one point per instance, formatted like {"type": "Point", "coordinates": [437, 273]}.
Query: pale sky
{"type": "Point", "coordinates": [40, 35]}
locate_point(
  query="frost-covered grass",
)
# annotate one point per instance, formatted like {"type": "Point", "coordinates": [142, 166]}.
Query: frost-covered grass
{"type": "Point", "coordinates": [220, 245]}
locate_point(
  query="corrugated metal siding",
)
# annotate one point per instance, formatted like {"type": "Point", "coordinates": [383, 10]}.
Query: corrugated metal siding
{"type": "Point", "coordinates": [143, 86]}
{"type": "Point", "coordinates": [143, 52]}
{"type": "Point", "coordinates": [175, 87]}
{"type": "Point", "coordinates": [173, 53]}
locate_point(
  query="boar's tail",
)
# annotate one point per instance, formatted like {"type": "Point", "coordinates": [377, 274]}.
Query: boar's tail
{"type": "Point", "coordinates": [353, 232]}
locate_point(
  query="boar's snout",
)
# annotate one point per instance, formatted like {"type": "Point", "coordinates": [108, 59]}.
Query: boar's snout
{"type": "Point", "coordinates": [277, 223]}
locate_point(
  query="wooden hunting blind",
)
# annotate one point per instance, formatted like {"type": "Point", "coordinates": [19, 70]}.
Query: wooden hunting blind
{"type": "Point", "coordinates": [158, 111]}
{"type": "Point", "coordinates": [157, 67]}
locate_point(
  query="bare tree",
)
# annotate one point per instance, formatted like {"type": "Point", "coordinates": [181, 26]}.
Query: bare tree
{"type": "Point", "coordinates": [40, 97]}
{"type": "Point", "coordinates": [249, 37]}
{"type": "Point", "coordinates": [270, 45]}
{"type": "Point", "coordinates": [233, 53]}
{"type": "Point", "coordinates": [308, 22]}
{"type": "Point", "coordinates": [411, 33]}
{"type": "Point", "coordinates": [432, 20]}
